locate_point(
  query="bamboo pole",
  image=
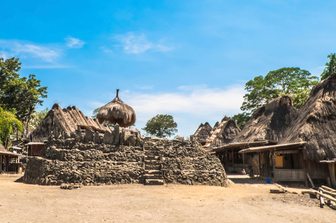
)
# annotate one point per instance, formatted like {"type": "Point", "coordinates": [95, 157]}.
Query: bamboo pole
{"type": "Point", "coordinates": [328, 192]}
{"type": "Point", "coordinates": [315, 192]}
{"type": "Point", "coordinates": [321, 199]}
{"type": "Point", "coordinates": [328, 189]}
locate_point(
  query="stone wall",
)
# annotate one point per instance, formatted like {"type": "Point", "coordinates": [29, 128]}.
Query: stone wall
{"type": "Point", "coordinates": [187, 163]}
{"type": "Point", "coordinates": [72, 161]}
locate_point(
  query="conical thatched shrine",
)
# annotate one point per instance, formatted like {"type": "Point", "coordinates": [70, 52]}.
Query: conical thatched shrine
{"type": "Point", "coordinates": [117, 112]}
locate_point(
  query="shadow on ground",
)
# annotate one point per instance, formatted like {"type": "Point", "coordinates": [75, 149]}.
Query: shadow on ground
{"type": "Point", "coordinates": [245, 179]}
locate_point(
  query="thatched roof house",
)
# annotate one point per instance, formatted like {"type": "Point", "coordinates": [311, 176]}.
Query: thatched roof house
{"type": "Point", "coordinates": [223, 132]}
{"type": "Point", "coordinates": [316, 122]}
{"type": "Point", "coordinates": [65, 122]}
{"type": "Point", "coordinates": [6, 160]}
{"type": "Point", "coordinates": [266, 127]}
{"type": "Point", "coordinates": [202, 133]}
{"type": "Point", "coordinates": [307, 143]}
{"type": "Point", "coordinates": [269, 122]}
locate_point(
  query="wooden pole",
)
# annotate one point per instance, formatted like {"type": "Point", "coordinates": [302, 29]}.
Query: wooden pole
{"type": "Point", "coordinates": [333, 194]}
{"type": "Point", "coordinates": [332, 173]}
{"type": "Point", "coordinates": [321, 200]}
{"type": "Point", "coordinates": [328, 188]}
{"type": "Point", "coordinates": [259, 165]}
{"type": "Point", "coordinates": [310, 180]}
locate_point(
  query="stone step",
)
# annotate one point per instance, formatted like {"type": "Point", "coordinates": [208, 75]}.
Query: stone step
{"type": "Point", "coordinates": [152, 157]}
{"type": "Point", "coordinates": [152, 161]}
{"type": "Point", "coordinates": [152, 176]}
{"type": "Point", "coordinates": [154, 182]}
{"type": "Point", "coordinates": [153, 172]}
{"type": "Point", "coordinates": [153, 166]}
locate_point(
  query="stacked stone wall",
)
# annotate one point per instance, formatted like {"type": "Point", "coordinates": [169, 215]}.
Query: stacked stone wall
{"type": "Point", "coordinates": [89, 163]}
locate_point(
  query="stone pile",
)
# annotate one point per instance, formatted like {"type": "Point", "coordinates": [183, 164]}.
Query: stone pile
{"type": "Point", "coordinates": [187, 163]}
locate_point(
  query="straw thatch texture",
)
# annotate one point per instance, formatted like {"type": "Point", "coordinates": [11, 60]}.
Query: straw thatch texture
{"type": "Point", "coordinates": [117, 112]}
{"type": "Point", "coordinates": [223, 132]}
{"type": "Point", "coordinates": [202, 133]}
{"type": "Point", "coordinates": [65, 122]}
{"type": "Point", "coordinates": [316, 123]}
{"type": "Point", "coordinates": [269, 122]}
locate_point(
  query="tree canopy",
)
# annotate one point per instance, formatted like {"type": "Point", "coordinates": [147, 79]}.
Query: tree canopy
{"type": "Point", "coordinates": [19, 94]}
{"type": "Point", "coordinates": [291, 81]}
{"type": "Point", "coordinates": [36, 119]}
{"type": "Point", "coordinates": [161, 126]}
{"type": "Point", "coordinates": [9, 124]}
{"type": "Point", "coordinates": [330, 67]}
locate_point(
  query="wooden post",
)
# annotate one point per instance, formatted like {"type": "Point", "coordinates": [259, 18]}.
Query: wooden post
{"type": "Point", "coordinates": [332, 173]}
{"type": "Point", "coordinates": [259, 164]}
{"type": "Point", "coordinates": [232, 159]}
{"type": "Point", "coordinates": [0, 163]}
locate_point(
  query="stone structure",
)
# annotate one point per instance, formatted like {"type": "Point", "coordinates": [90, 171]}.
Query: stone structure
{"type": "Point", "coordinates": [80, 150]}
{"type": "Point", "coordinates": [71, 161]}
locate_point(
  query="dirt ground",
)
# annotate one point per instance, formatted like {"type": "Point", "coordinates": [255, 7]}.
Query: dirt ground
{"type": "Point", "coordinates": [137, 203]}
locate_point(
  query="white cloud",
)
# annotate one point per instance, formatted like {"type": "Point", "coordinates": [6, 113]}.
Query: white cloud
{"type": "Point", "coordinates": [25, 49]}
{"type": "Point", "coordinates": [138, 44]}
{"type": "Point", "coordinates": [189, 105]}
{"type": "Point", "coordinates": [3, 55]}
{"type": "Point", "coordinates": [73, 42]}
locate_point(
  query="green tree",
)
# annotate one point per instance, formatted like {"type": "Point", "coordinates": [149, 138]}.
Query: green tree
{"type": "Point", "coordinates": [291, 81]}
{"type": "Point", "coordinates": [20, 94]}
{"type": "Point", "coordinates": [36, 119]}
{"type": "Point", "coordinates": [330, 67]}
{"type": "Point", "coordinates": [9, 124]}
{"type": "Point", "coordinates": [241, 119]}
{"type": "Point", "coordinates": [161, 126]}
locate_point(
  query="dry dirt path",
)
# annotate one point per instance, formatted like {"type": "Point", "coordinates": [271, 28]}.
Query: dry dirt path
{"type": "Point", "coordinates": [137, 203]}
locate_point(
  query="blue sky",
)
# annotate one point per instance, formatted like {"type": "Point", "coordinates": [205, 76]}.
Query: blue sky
{"type": "Point", "coordinates": [185, 58]}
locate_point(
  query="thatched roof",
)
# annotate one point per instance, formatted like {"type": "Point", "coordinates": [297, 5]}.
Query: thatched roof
{"type": "Point", "coordinates": [269, 122]}
{"type": "Point", "coordinates": [4, 151]}
{"type": "Point", "coordinates": [316, 123]}
{"type": "Point", "coordinates": [65, 122]}
{"type": "Point", "coordinates": [202, 133]}
{"type": "Point", "coordinates": [117, 112]}
{"type": "Point", "coordinates": [223, 132]}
